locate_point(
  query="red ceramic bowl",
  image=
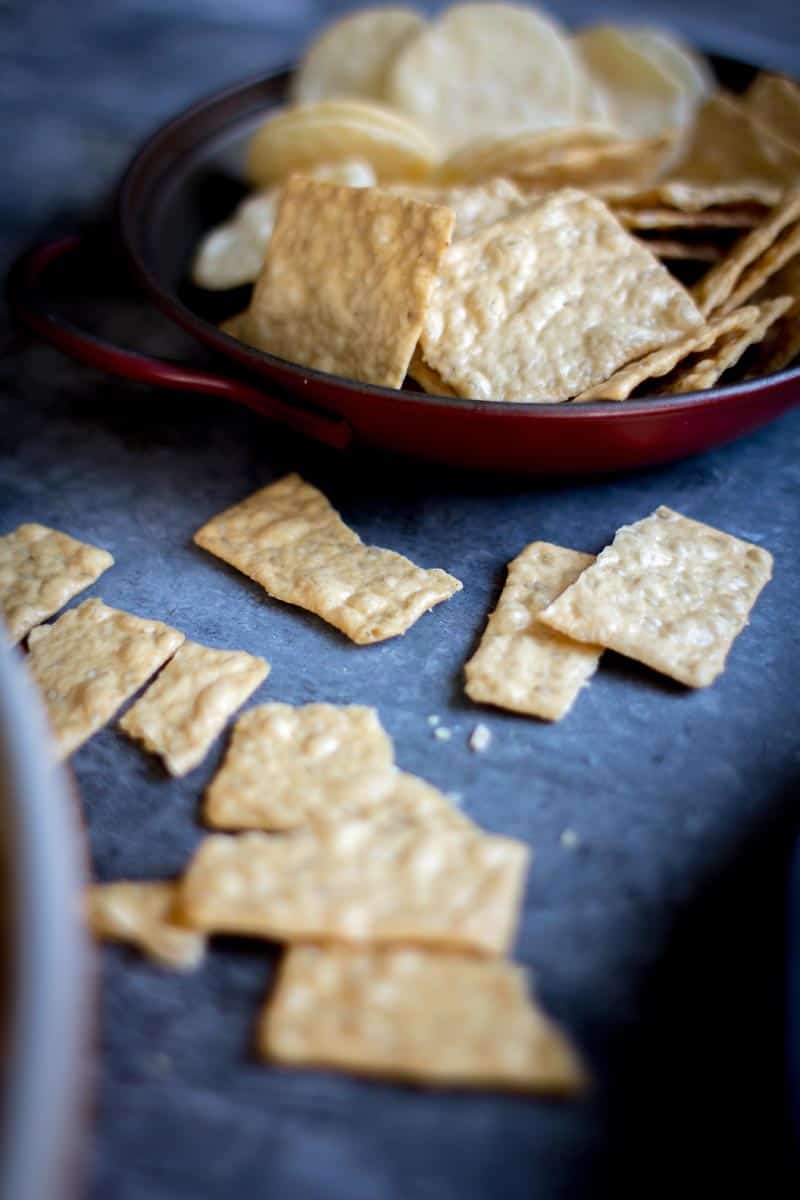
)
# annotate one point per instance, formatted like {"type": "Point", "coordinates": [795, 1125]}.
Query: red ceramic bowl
{"type": "Point", "coordinates": [182, 181]}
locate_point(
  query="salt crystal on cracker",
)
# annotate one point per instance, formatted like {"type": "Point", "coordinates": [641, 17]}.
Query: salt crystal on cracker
{"type": "Point", "coordinates": [432, 1018]}
{"type": "Point", "coordinates": [141, 914]}
{"type": "Point", "coordinates": [548, 303]}
{"type": "Point", "coordinates": [360, 882]}
{"type": "Point", "coordinates": [289, 539]}
{"type": "Point", "coordinates": [661, 362]}
{"type": "Point", "coordinates": [670, 592]}
{"type": "Point", "coordinates": [89, 662]}
{"type": "Point", "coordinates": [41, 569]}
{"type": "Point", "coordinates": [520, 664]}
{"type": "Point", "coordinates": [346, 279]}
{"type": "Point", "coordinates": [285, 763]}
{"type": "Point", "coordinates": [182, 713]}
{"type": "Point", "coordinates": [703, 371]}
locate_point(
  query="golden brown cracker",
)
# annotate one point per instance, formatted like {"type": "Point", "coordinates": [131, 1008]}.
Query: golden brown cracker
{"type": "Point", "coordinates": [702, 371]}
{"type": "Point", "coordinates": [728, 145]}
{"type": "Point", "coordinates": [41, 570]}
{"type": "Point", "coordinates": [89, 662]}
{"type": "Point", "coordinates": [181, 714]}
{"type": "Point", "coordinates": [141, 914]}
{"type": "Point", "coordinates": [289, 539]}
{"type": "Point", "coordinates": [438, 1019]}
{"type": "Point", "coordinates": [521, 664]}
{"type": "Point", "coordinates": [360, 882]}
{"type": "Point", "coordinates": [548, 303]}
{"type": "Point", "coordinates": [670, 592]}
{"type": "Point", "coordinates": [775, 101]}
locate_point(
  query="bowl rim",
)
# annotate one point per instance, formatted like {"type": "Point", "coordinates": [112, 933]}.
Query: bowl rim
{"type": "Point", "coordinates": [167, 300]}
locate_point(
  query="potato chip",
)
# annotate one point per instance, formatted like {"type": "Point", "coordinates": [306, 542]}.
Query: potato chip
{"type": "Point", "coordinates": [298, 139]}
{"type": "Point", "coordinates": [185, 710]}
{"type": "Point", "coordinates": [548, 303]}
{"type": "Point", "coordinates": [88, 662]}
{"type": "Point", "coordinates": [775, 101]}
{"type": "Point", "coordinates": [141, 914]}
{"type": "Point", "coordinates": [346, 280]}
{"type": "Point", "coordinates": [437, 1019]}
{"type": "Point", "coordinates": [474, 206]}
{"type": "Point", "coordinates": [700, 372]}
{"type": "Point", "coordinates": [284, 764]}
{"type": "Point", "coordinates": [729, 146]}
{"type": "Point", "coordinates": [40, 571]}
{"type": "Point", "coordinates": [642, 97]}
{"type": "Point", "coordinates": [289, 539]}
{"type": "Point", "coordinates": [675, 58]}
{"type": "Point", "coordinates": [670, 592]}
{"type": "Point", "coordinates": [232, 254]}
{"type": "Point", "coordinates": [351, 56]}
{"type": "Point", "coordinates": [486, 69]}
{"type": "Point", "coordinates": [520, 664]}
{"type": "Point", "coordinates": [620, 385]}
{"type": "Point", "coordinates": [718, 286]}
{"type": "Point", "coordinates": [359, 882]}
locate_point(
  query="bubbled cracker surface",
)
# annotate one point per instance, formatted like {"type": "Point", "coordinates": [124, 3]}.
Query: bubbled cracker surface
{"type": "Point", "coordinates": [40, 571]}
{"type": "Point", "coordinates": [521, 664]}
{"type": "Point", "coordinates": [89, 662]}
{"type": "Point", "coordinates": [441, 1019]}
{"type": "Point", "coordinates": [548, 303]}
{"type": "Point", "coordinates": [703, 370]}
{"type": "Point", "coordinates": [285, 764]}
{"type": "Point", "coordinates": [474, 206]}
{"type": "Point", "coordinates": [140, 914]}
{"type": "Point", "coordinates": [289, 539]}
{"type": "Point", "coordinates": [181, 714]}
{"type": "Point", "coordinates": [360, 882]}
{"type": "Point", "coordinates": [670, 592]}
{"type": "Point", "coordinates": [346, 280]}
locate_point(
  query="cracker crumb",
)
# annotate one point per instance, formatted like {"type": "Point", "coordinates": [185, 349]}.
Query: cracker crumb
{"type": "Point", "coordinates": [569, 839]}
{"type": "Point", "coordinates": [480, 738]}
{"type": "Point", "coordinates": [442, 733]}
{"type": "Point", "coordinates": [433, 720]}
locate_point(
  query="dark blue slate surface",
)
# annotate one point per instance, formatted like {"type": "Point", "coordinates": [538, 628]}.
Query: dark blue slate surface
{"type": "Point", "coordinates": [658, 942]}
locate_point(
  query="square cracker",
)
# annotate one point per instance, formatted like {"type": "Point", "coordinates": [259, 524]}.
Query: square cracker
{"type": "Point", "coordinates": [284, 764]}
{"type": "Point", "coordinates": [288, 538]}
{"type": "Point", "coordinates": [181, 714]}
{"type": "Point", "coordinates": [520, 664]}
{"type": "Point", "coordinates": [548, 303]}
{"type": "Point", "coordinates": [88, 662]}
{"type": "Point", "coordinates": [661, 362]}
{"type": "Point", "coordinates": [670, 592]}
{"type": "Point", "coordinates": [346, 279]}
{"type": "Point", "coordinates": [754, 252]}
{"type": "Point", "coordinates": [781, 344]}
{"type": "Point", "coordinates": [702, 371]}
{"type": "Point", "coordinates": [775, 101]}
{"type": "Point", "coordinates": [141, 914]}
{"type": "Point", "coordinates": [474, 205]}
{"type": "Point", "coordinates": [40, 571]}
{"type": "Point", "coordinates": [431, 1018]}
{"type": "Point", "coordinates": [360, 882]}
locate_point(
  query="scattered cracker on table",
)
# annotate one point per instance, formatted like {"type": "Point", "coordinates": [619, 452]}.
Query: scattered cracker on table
{"type": "Point", "coordinates": [670, 592]}
{"type": "Point", "coordinates": [521, 664]}
{"type": "Point", "coordinates": [359, 882]}
{"type": "Point", "coordinates": [346, 279]}
{"type": "Point", "coordinates": [661, 362]}
{"type": "Point", "coordinates": [548, 303]}
{"type": "Point", "coordinates": [141, 914]}
{"type": "Point", "coordinates": [436, 1019]}
{"type": "Point", "coordinates": [703, 371]}
{"type": "Point", "coordinates": [288, 538]}
{"type": "Point", "coordinates": [181, 714]}
{"type": "Point", "coordinates": [718, 286]}
{"type": "Point", "coordinates": [284, 764]}
{"type": "Point", "coordinates": [89, 662]}
{"type": "Point", "coordinates": [41, 570]}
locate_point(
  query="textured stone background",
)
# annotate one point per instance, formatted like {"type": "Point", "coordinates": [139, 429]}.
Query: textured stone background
{"type": "Point", "coordinates": [659, 942]}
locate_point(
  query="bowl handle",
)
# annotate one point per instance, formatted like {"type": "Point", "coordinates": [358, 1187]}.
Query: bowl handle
{"type": "Point", "coordinates": [31, 307]}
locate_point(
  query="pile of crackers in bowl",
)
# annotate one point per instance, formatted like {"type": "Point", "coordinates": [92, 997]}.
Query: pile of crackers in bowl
{"type": "Point", "coordinates": [486, 207]}
{"type": "Point", "coordinates": [398, 914]}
